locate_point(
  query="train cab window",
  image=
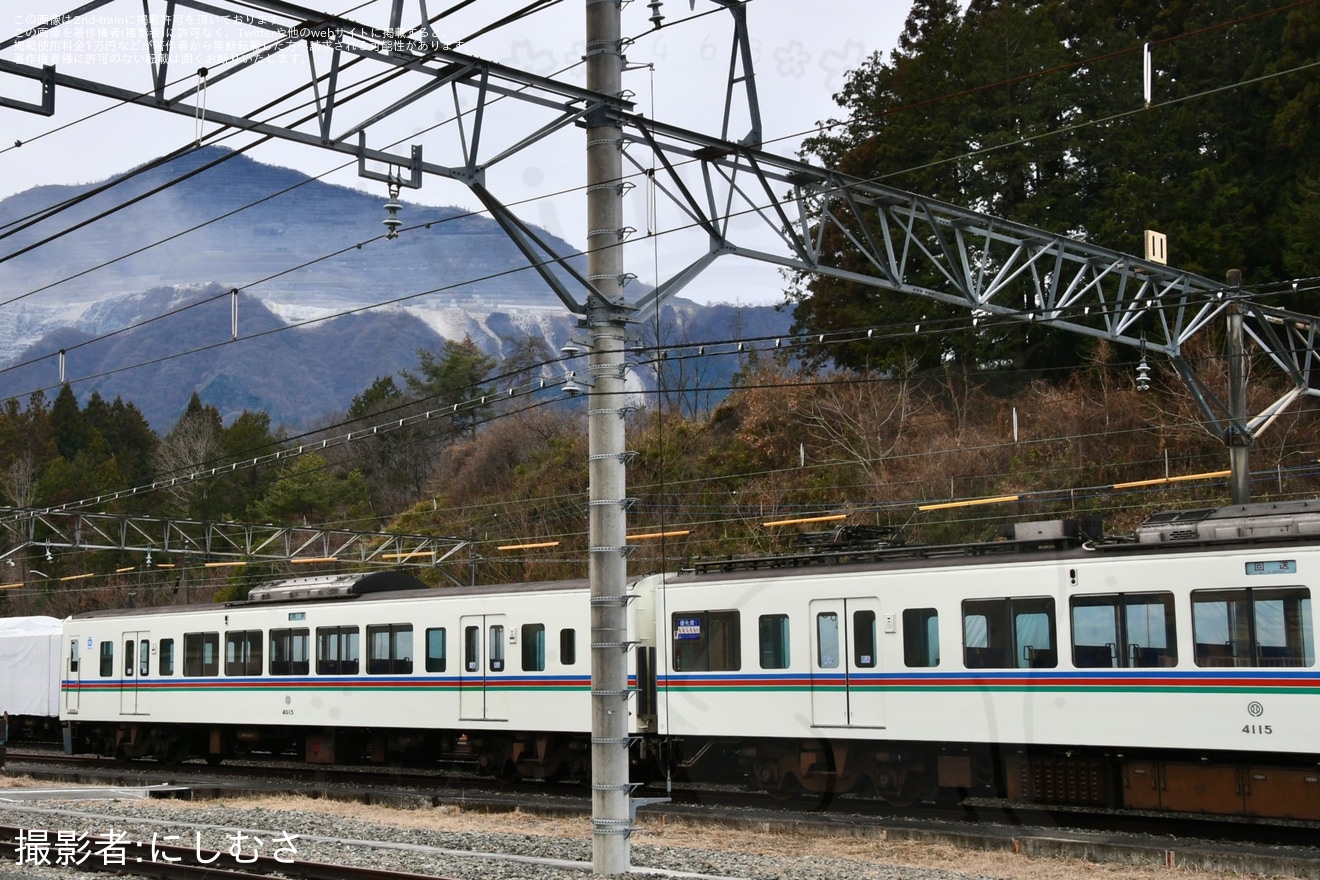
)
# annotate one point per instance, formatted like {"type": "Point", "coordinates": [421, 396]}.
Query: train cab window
{"type": "Point", "coordinates": [495, 649]}
{"type": "Point", "coordinates": [107, 659]}
{"type": "Point", "coordinates": [533, 647]}
{"type": "Point", "coordinates": [435, 650]}
{"type": "Point", "coordinates": [166, 664]}
{"type": "Point", "coordinates": [772, 637]}
{"type": "Point", "coordinates": [1009, 634]}
{"type": "Point", "coordinates": [1133, 630]}
{"type": "Point", "coordinates": [1253, 627]}
{"type": "Point", "coordinates": [337, 650]}
{"type": "Point", "coordinates": [389, 649]}
{"type": "Point", "coordinates": [290, 651]}
{"type": "Point", "coordinates": [243, 652]}
{"type": "Point", "coordinates": [201, 654]}
{"type": "Point", "coordinates": [707, 641]}
{"type": "Point", "coordinates": [921, 637]}
{"type": "Point", "coordinates": [567, 647]}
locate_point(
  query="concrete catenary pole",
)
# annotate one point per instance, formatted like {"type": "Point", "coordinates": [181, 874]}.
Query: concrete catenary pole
{"type": "Point", "coordinates": [607, 324]}
{"type": "Point", "coordinates": [1239, 439]}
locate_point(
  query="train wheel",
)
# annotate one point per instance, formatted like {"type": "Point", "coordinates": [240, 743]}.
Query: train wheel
{"type": "Point", "coordinates": [788, 789]}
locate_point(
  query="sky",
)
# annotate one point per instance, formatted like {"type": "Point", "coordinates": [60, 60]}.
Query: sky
{"type": "Point", "coordinates": [678, 74]}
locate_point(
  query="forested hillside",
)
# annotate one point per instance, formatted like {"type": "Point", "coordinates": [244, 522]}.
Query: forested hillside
{"type": "Point", "coordinates": [936, 424]}
{"type": "Point", "coordinates": [1035, 111]}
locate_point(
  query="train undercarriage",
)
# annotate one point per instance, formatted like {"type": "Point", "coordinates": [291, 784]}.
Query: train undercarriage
{"type": "Point", "coordinates": [899, 773]}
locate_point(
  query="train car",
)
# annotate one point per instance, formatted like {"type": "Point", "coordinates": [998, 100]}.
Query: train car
{"type": "Point", "coordinates": [1172, 669]}
{"type": "Point", "coordinates": [342, 669]}
{"type": "Point", "coordinates": [29, 677]}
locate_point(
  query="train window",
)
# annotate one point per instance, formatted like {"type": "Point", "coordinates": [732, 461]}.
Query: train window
{"type": "Point", "coordinates": [827, 640]}
{"type": "Point", "coordinates": [1009, 634]}
{"type": "Point", "coordinates": [533, 647]}
{"type": "Point", "coordinates": [495, 650]}
{"type": "Point", "coordinates": [773, 636]}
{"type": "Point", "coordinates": [73, 655]}
{"type": "Point", "coordinates": [863, 635]}
{"type": "Point", "coordinates": [707, 641]}
{"type": "Point", "coordinates": [389, 649]}
{"type": "Point", "coordinates": [166, 664]}
{"type": "Point", "coordinates": [472, 648]}
{"type": "Point", "coordinates": [1253, 627]}
{"type": "Point", "coordinates": [107, 659]}
{"type": "Point", "coordinates": [243, 652]}
{"type": "Point", "coordinates": [144, 658]}
{"type": "Point", "coordinates": [290, 652]}
{"type": "Point", "coordinates": [128, 658]}
{"type": "Point", "coordinates": [921, 637]}
{"type": "Point", "coordinates": [337, 650]}
{"type": "Point", "coordinates": [201, 654]}
{"type": "Point", "coordinates": [567, 647]}
{"type": "Point", "coordinates": [435, 650]}
{"type": "Point", "coordinates": [1123, 630]}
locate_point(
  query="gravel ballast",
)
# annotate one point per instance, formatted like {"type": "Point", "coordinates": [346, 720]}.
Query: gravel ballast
{"type": "Point", "coordinates": [451, 842]}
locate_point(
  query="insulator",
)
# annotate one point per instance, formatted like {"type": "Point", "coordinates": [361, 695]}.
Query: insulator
{"type": "Point", "coordinates": [656, 16]}
{"type": "Point", "coordinates": [392, 208]}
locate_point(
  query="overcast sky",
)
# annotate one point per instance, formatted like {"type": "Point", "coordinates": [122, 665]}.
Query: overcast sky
{"type": "Point", "coordinates": [802, 51]}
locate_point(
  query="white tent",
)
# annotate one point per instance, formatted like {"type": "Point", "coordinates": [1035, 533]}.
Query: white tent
{"type": "Point", "coordinates": [30, 666]}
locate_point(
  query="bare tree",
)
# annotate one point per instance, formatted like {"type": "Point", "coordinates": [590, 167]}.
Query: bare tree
{"type": "Point", "coordinates": [19, 480]}
{"type": "Point", "coordinates": [188, 450]}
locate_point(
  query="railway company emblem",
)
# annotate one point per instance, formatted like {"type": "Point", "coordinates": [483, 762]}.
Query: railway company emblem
{"type": "Point", "coordinates": [1255, 710]}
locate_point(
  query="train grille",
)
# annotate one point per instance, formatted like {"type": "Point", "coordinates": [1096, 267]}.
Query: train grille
{"type": "Point", "coordinates": [1058, 780]}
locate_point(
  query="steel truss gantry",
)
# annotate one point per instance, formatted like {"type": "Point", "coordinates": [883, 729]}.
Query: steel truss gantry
{"type": "Point", "coordinates": [910, 244]}
{"type": "Point", "coordinates": [220, 542]}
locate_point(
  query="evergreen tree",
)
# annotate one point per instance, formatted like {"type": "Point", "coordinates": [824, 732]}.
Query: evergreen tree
{"type": "Point", "coordinates": [249, 436]}
{"type": "Point", "coordinates": [454, 379]}
{"type": "Point", "coordinates": [71, 430]}
{"type": "Point", "coordinates": [393, 461]}
{"type": "Point", "coordinates": [128, 435]}
{"type": "Point", "coordinates": [311, 493]}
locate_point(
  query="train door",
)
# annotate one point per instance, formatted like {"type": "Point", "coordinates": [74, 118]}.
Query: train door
{"type": "Point", "coordinates": [480, 697]}
{"type": "Point", "coordinates": [72, 676]}
{"type": "Point", "coordinates": [845, 663]}
{"type": "Point", "coordinates": [137, 668]}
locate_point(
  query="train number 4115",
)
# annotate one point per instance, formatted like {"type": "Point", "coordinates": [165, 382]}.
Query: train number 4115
{"type": "Point", "coordinates": [1258, 728]}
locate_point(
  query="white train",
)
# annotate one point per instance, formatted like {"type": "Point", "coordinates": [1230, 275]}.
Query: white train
{"type": "Point", "coordinates": [1173, 671]}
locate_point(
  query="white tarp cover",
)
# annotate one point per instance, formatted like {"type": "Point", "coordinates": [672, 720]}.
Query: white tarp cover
{"type": "Point", "coordinates": [30, 666]}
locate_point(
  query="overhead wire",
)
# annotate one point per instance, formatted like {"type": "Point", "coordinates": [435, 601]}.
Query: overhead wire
{"type": "Point", "coordinates": [287, 452]}
{"type": "Point", "coordinates": [1283, 71]}
{"type": "Point", "coordinates": [750, 210]}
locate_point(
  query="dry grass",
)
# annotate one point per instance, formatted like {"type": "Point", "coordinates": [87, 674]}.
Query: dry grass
{"type": "Point", "coordinates": [8, 781]}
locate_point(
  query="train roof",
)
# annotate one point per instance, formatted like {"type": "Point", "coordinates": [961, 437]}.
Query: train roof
{"type": "Point", "coordinates": [327, 590]}
{"type": "Point", "coordinates": [1173, 531]}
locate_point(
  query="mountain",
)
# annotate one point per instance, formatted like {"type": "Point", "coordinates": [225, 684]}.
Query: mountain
{"type": "Point", "coordinates": [459, 277]}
